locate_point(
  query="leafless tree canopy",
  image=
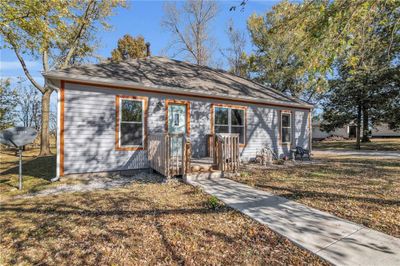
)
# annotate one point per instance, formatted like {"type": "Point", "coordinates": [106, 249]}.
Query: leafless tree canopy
{"type": "Point", "coordinates": [29, 107]}
{"type": "Point", "coordinates": [235, 54]}
{"type": "Point", "coordinates": [189, 27]}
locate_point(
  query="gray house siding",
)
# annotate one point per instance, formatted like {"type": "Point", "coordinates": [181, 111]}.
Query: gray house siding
{"type": "Point", "coordinates": [90, 120]}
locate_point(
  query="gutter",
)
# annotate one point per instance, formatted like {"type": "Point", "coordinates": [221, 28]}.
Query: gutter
{"type": "Point", "coordinates": [166, 90]}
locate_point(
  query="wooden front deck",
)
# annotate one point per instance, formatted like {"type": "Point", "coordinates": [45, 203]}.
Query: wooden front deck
{"type": "Point", "coordinates": [168, 160]}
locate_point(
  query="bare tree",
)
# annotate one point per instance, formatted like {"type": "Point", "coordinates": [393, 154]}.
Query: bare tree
{"type": "Point", "coordinates": [8, 102]}
{"type": "Point", "coordinates": [29, 107]}
{"type": "Point", "coordinates": [235, 54]}
{"type": "Point", "coordinates": [189, 27]}
{"type": "Point", "coordinates": [53, 120]}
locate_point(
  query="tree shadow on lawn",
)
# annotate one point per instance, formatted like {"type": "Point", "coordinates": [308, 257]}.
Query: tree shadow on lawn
{"type": "Point", "coordinates": [42, 168]}
{"type": "Point", "coordinates": [84, 233]}
{"type": "Point", "coordinates": [299, 194]}
{"type": "Point", "coordinates": [365, 162]}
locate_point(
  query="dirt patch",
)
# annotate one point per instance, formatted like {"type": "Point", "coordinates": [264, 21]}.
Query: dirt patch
{"type": "Point", "coordinates": [97, 183]}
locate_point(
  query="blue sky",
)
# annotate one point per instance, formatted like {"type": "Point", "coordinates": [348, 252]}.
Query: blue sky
{"type": "Point", "coordinates": [144, 18]}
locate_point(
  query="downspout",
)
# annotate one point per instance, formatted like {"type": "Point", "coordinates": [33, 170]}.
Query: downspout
{"type": "Point", "coordinates": [310, 130]}
{"type": "Point", "coordinates": [52, 86]}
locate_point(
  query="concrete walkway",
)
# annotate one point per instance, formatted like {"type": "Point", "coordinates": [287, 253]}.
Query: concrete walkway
{"type": "Point", "coordinates": [336, 240]}
{"type": "Point", "coordinates": [364, 153]}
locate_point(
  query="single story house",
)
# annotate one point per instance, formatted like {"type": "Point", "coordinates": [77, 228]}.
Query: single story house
{"type": "Point", "coordinates": [319, 134]}
{"type": "Point", "coordinates": [109, 112]}
{"type": "Point", "coordinates": [350, 131]}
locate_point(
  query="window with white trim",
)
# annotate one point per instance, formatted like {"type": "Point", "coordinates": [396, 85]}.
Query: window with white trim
{"type": "Point", "coordinates": [286, 127]}
{"type": "Point", "coordinates": [131, 123]}
{"type": "Point", "coordinates": [230, 120]}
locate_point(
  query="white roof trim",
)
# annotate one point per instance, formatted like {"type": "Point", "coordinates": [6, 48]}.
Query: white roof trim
{"type": "Point", "coordinates": [166, 89]}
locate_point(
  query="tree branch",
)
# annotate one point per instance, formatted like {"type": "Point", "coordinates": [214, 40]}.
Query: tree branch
{"type": "Point", "coordinates": [81, 30]}
{"type": "Point", "coordinates": [45, 60]}
{"type": "Point", "coordinates": [22, 61]}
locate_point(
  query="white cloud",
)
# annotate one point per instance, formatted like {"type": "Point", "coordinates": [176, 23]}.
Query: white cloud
{"type": "Point", "coordinates": [16, 65]}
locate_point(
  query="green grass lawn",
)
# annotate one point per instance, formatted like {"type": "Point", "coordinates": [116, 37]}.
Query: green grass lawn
{"type": "Point", "coordinates": [389, 144]}
{"type": "Point", "coordinates": [363, 190]}
{"type": "Point", "coordinates": [36, 171]}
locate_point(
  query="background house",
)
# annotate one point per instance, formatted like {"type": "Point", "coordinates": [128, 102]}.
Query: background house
{"type": "Point", "coordinates": [349, 131]}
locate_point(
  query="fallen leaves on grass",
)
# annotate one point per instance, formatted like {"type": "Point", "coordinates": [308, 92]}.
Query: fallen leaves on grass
{"type": "Point", "coordinates": [365, 191]}
{"type": "Point", "coordinates": [141, 224]}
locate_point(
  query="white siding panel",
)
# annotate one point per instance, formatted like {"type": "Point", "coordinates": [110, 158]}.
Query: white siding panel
{"type": "Point", "coordinates": [200, 127]}
{"type": "Point", "coordinates": [262, 131]}
{"type": "Point", "coordinates": [89, 142]}
{"type": "Point", "coordinates": [301, 129]}
{"type": "Point", "coordinates": [89, 139]}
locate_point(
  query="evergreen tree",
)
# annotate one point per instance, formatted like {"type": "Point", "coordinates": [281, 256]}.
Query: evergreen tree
{"type": "Point", "coordinates": [129, 48]}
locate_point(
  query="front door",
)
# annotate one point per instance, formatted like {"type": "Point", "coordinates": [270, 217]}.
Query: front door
{"type": "Point", "coordinates": [176, 125]}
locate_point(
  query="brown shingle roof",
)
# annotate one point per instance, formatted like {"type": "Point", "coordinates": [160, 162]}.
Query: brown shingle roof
{"type": "Point", "coordinates": [165, 72]}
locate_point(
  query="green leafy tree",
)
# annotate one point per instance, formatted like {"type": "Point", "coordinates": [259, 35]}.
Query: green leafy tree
{"type": "Point", "coordinates": [278, 60]}
{"type": "Point", "coordinates": [58, 33]}
{"type": "Point", "coordinates": [301, 46]}
{"type": "Point", "coordinates": [368, 71]}
{"type": "Point", "coordinates": [8, 102]}
{"type": "Point", "coordinates": [128, 48]}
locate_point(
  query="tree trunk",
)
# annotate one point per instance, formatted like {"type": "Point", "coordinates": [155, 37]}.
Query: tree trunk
{"type": "Point", "coordinates": [358, 146]}
{"type": "Point", "coordinates": [44, 130]}
{"type": "Point", "coordinates": [365, 137]}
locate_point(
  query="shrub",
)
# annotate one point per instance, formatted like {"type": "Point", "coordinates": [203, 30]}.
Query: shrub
{"type": "Point", "coordinates": [213, 202]}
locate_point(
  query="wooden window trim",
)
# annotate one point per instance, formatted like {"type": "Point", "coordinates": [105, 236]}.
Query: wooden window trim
{"type": "Point", "coordinates": [118, 147]}
{"type": "Point", "coordinates": [230, 106]}
{"type": "Point", "coordinates": [280, 127]}
{"type": "Point", "coordinates": [178, 102]}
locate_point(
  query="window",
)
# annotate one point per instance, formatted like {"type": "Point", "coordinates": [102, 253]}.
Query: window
{"type": "Point", "coordinates": [230, 120]}
{"type": "Point", "coordinates": [130, 122]}
{"type": "Point", "coordinates": [286, 127]}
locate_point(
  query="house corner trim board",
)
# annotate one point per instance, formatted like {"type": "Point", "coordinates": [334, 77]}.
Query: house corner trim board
{"type": "Point", "coordinates": [61, 128]}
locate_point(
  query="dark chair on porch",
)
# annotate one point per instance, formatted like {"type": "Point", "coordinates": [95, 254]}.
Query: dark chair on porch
{"type": "Point", "coordinates": [302, 153]}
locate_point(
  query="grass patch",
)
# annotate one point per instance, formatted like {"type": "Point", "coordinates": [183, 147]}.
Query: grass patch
{"type": "Point", "coordinates": [385, 144]}
{"type": "Point", "coordinates": [365, 191]}
{"type": "Point", "coordinates": [36, 172]}
{"type": "Point", "coordinates": [141, 224]}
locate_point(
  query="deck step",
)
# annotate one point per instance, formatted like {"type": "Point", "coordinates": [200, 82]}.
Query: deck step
{"type": "Point", "coordinates": [202, 168]}
{"type": "Point", "coordinates": [202, 175]}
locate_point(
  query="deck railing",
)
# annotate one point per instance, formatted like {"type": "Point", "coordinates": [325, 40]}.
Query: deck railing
{"type": "Point", "coordinates": [169, 154]}
{"type": "Point", "coordinates": [226, 152]}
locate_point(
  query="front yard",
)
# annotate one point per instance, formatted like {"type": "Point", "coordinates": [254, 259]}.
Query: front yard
{"type": "Point", "coordinates": [140, 223]}
{"type": "Point", "coordinates": [365, 191]}
{"type": "Point", "coordinates": [383, 144]}
{"type": "Point", "coordinates": [173, 223]}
